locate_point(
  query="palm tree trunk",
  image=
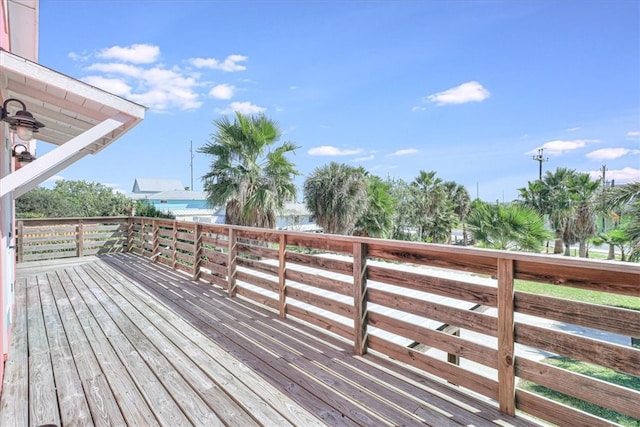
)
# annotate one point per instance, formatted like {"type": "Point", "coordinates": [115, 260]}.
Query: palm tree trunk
{"type": "Point", "coordinates": [557, 248]}
{"type": "Point", "coordinates": [612, 251]}
{"type": "Point", "coordinates": [582, 249]}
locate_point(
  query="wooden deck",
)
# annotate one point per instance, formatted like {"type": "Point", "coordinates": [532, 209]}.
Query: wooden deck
{"type": "Point", "coordinates": [119, 340]}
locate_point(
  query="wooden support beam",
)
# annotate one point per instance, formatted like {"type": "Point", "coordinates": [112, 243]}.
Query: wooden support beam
{"type": "Point", "coordinates": [79, 239]}
{"type": "Point", "coordinates": [231, 263]}
{"type": "Point", "coordinates": [506, 362]}
{"type": "Point", "coordinates": [197, 250]}
{"type": "Point", "coordinates": [360, 320]}
{"type": "Point", "coordinates": [282, 270]}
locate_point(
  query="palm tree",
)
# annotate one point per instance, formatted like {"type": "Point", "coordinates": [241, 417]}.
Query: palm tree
{"type": "Point", "coordinates": [626, 199]}
{"type": "Point", "coordinates": [513, 226]}
{"type": "Point", "coordinates": [550, 196]}
{"type": "Point", "coordinates": [433, 211]}
{"type": "Point", "coordinates": [250, 176]}
{"type": "Point", "coordinates": [461, 201]}
{"type": "Point", "coordinates": [377, 220]}
{"type": "Point", "coordinates": [336, 194]}
{"type": "Point", "coordinates": [582, 221]}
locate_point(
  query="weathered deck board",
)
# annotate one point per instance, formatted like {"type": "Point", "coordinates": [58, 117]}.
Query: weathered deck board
{"type": "Point", "coordinates": [74, 408]}
{"type": "Point", "coordinates": [42, 388]}
{"type": "Point", "coordinates": [100, 398]}
{"type": "Point", "coordinates": [14, 403]}
{"type": "Point", "coordinates": [119, 340]}
{"type": "Point", "coordinates": [215, 362]}
{"type": "Point", "coordinates": [322, 374]}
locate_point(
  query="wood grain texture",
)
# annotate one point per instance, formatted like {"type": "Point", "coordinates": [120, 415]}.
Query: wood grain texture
{"type": "Point", "coordinates": [284, 271]}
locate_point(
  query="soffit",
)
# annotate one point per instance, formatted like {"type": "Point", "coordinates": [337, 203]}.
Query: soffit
{"type": "Point", "coordinates": [67, 107]}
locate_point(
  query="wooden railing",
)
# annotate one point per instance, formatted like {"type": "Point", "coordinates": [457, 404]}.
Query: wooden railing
{"type": "Point", "coordinates": [449, 311]}
{"type": "Point", "coordinates": [39, 239]}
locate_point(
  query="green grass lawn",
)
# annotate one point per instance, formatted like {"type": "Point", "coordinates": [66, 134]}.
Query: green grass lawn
{"type": "Point", "coordinates": [593, 297]}
{"type": "Point", "coordinates": [605, 374]}
{"type": "Point", "coordinates": [601, 373]}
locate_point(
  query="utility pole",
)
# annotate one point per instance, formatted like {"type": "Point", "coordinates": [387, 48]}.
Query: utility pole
{"type": "Point", "coordinates": [603, 169]}
{"type": "Point", "coordinates": [191, 151]}
{"type": "Point", "coordinates": [540, 158]}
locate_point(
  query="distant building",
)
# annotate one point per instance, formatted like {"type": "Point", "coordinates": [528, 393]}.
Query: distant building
{"type": "Point", "coordinates": [155, 185]}
{"type": "Point", "coordinates": [169, 196]}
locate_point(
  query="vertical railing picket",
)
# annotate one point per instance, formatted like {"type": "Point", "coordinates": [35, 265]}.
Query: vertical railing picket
{"type": "Point", "coordinates": [231, 262]}
{"type": "Point", "coordinates": [197, 250]}
{"type": "Point", "coordinates": [506, 357]}
{"type": "Point", "coordinates": [360, 320]}
{"type": "Point", "coordinates": [282, 271]}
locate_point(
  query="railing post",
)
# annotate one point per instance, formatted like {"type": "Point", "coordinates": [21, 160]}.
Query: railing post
{"type": "Point", "coordinates": [282, 271]}
{"type": "Point", "coordinates": [79, 239]}
{"type": "Point", "coordinates": [231, 262]}
{"type": "Point", "coordinates": [506, 357]}
{"type": "Point", "coordinates": [174, 236]}
{"type": "Point", "coordinates": [19, 241]}
{"type": "Point", "coordinates": [360, 320]}
{"type": "Point", "coordinates": [155, 244]}
{"type": "Point", "coordinates": [197, 249]}
{"type": "Point", "coordinates": [129, 234]}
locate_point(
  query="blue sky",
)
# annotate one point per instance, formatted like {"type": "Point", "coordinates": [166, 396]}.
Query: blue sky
{"type": "Point", "coordinates": [470, 89]}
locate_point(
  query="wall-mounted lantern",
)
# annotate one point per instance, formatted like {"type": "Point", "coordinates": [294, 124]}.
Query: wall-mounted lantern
{"type": "Point", "coordinates": [22, 123]}
{"type": "Point", "coordinates": [22, 155]}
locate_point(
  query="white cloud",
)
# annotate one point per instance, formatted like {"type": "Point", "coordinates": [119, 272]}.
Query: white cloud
{"type": "Point", "coordinates": [575, 129]}
{"type": "Point", "coordinates": [466, 92]}
{"type": "Point", "coordinates": [222, 91]}
{"type": "Point", "coordinates": [633, 135]}
{"type": "Point", "coordinates": [293, 87]}
{"type": "Point", "coordinates": [328, 150]}
{"type": "Point", "coordinates": [364, 159]}
{"type": "Point", "coordinates": [230, 63]}
{"type": "Point", "coordinates": [116, 86]}
{"type": "Point", "coordinates": [624, 175]}
{"type": "Point", "coordinates": [136, 53]}
{"type": "Point", "coordinates": [610, 153]}
{"type": "Point", "coordinates": [125, 71]}
{"type": "Point", "coordinates": [117, 68]}
{"type": "Point", "coordinates": [404, 152]}
{"type": "Point", "coordinates": [245, 107]}
{"type": "Point", "coordinates": [158, 88]}
{"type": "Point", "coordinates": [620, 176]}
{"type": "Point", "coordinates": [78, 57]}
{"type": "Point", "coordinates": [559, 147]}
{"type": "Point", "coordinates": [418, 108]}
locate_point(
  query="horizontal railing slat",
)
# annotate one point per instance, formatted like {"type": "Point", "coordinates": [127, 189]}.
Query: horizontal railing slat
{"type": "Point", "coordinates": [419, 293]}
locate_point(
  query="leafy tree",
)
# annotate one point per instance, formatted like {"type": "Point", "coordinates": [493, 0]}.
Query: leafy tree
{"type": "Point", "coordinates": [428, 208]}
{"type": "Point", "coordinates": [40, 202]}
{"type": "Point", "coordinates": [626, 199]}
{"type": "Point", "coordinates": [377, 220]}
{"type": "Point", "coordinates": [146, 209]}
{"type": "Point", "coordinates": [433, 211]}
{"type": "Point", "coordinates": [513, 226]}
{"type": "Point", "coordinates": [249, 175]}
{"type": "Point", "coordinates": [461, 200]}
{"type": "Point", "coordinates": [550, 196]}
{"type": "Point", "coordinates": [581, 223]}
{"type": "Point", "coordinates": [73, 199]}
{"type": "Point", "coordinates": [616, 237]}
{"type": "Point", "coordinates": [403, 215]}
{"type": "Point", "coordinates": [336, 194]}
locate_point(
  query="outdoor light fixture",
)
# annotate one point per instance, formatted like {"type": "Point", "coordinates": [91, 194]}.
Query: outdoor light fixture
{"type": "Point", "coordinates": [23, 123]}
{"type": "Point", "coordinates": [22, 155]}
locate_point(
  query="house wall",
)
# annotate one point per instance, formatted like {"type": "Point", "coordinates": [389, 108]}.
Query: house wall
{"type": "Point", "coordinates": [19, 35]}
